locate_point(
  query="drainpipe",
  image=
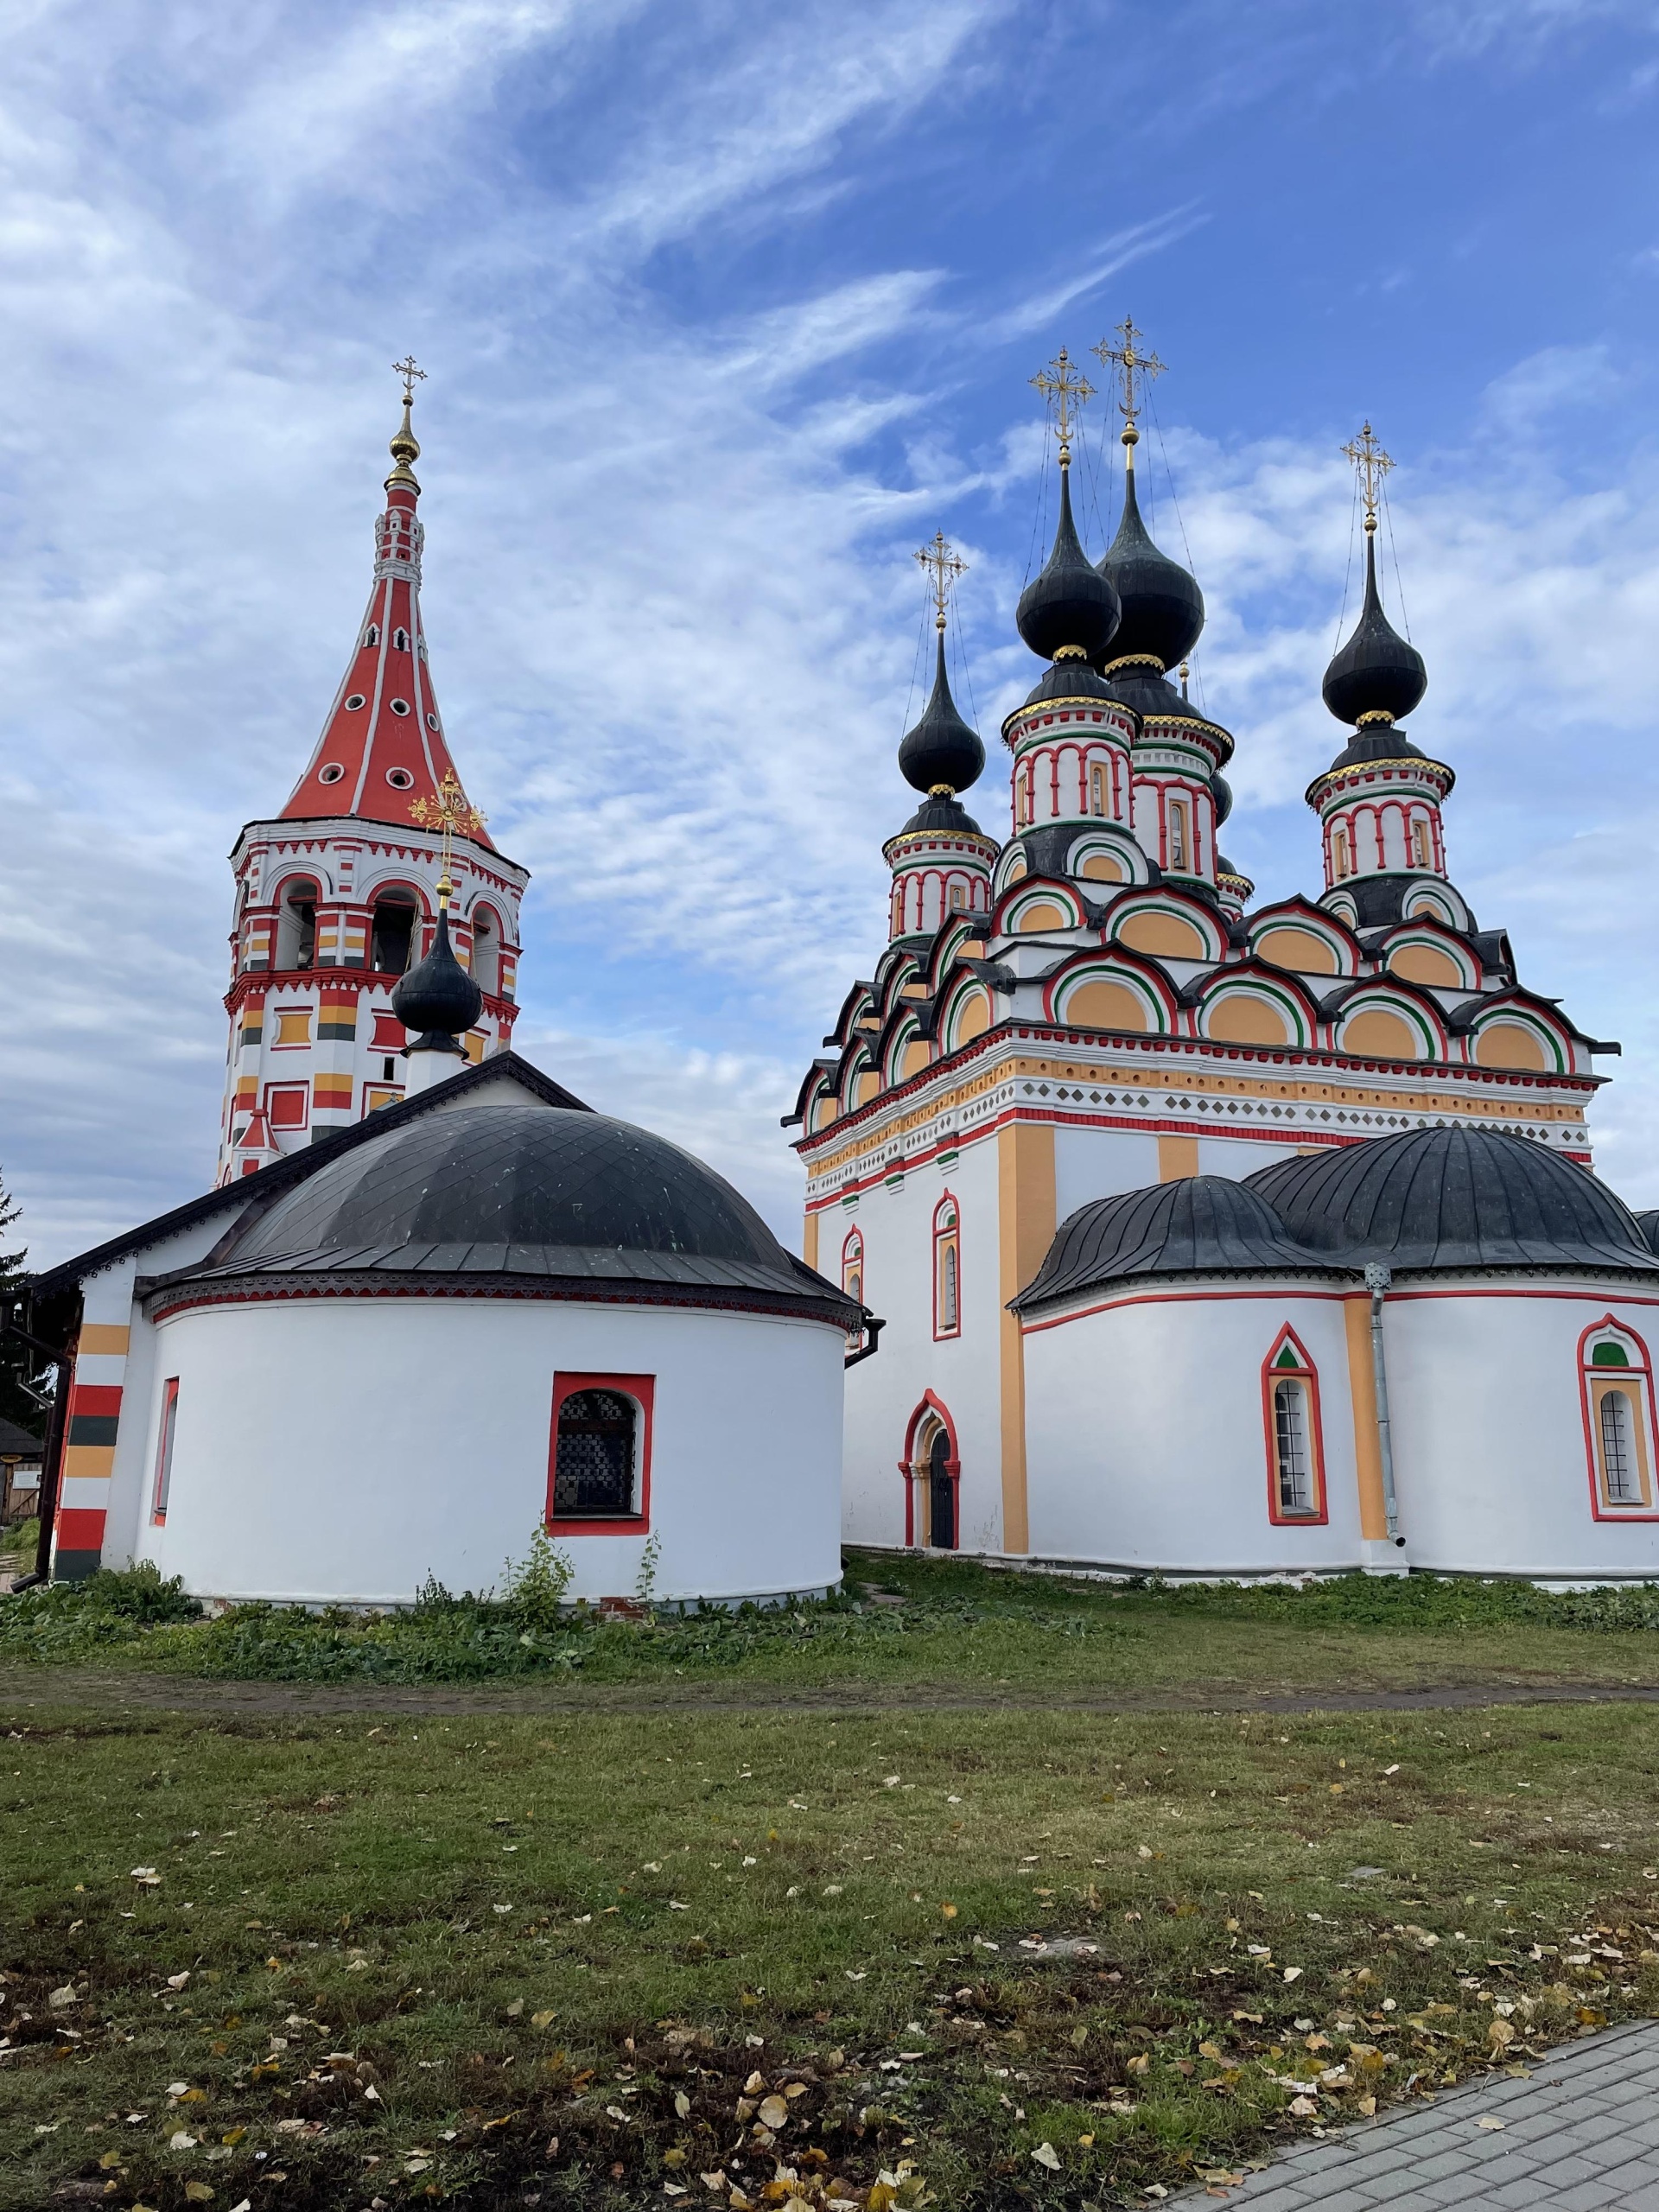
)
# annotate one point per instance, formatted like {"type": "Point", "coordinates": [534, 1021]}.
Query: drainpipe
{"type": "Point", "coordinates": [1377, 1279]}
{"type": "Point", "coordinates": [872, 1328]}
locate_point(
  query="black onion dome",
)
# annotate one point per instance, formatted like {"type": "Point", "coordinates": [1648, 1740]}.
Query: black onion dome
{"type": "Point", "coordinates": [1201, 1224]}
{"type": "Point", "coordinates": [1376, 672]}
{"type": "Point", "coordinates": [1224, 797]}
{"type": "Point", "coordinates": [1456, 1197]}
{"type": "Point", "coordinates": [935, 813]}
{"type": "Point", "coordinates": [1071, 603]}
{"type": "Point", "coordinates": [942, 749]}
{"type": "Point", "coordinates": [1648, 1222]}
{"type": "Point", "coordinates": [1074, 679]}
{"type": "Point", "coordinates": [1162, 606]}
{"type": "Point", "coordinates": [438, 998]}
{"type": "Point", "coordinates": [523, 1191]}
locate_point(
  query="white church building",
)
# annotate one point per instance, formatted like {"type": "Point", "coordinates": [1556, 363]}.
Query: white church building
{"type": "Point", "coordinates": [1212, 1239]}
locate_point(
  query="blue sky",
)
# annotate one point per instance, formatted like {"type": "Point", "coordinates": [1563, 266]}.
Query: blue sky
{"type": "Point", "coordinates": [726, 308]}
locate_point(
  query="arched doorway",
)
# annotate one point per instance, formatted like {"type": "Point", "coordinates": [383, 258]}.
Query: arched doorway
{"type": "Point", "coordinates": [932, 1469]}
{"type": "Point", "coordinates": [941, 1493]}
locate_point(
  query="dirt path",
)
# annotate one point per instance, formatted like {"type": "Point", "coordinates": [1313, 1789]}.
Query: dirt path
{"type": "Point", "coordinates": [22, 1691]}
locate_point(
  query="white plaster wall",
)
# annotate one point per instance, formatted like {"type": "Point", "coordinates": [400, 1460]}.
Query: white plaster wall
{"type": "Point", "coordinates": [343, 1449]}
{"type": "Point", "coordinates": [1240, 1156]}
{"type": "Point", "coordinates": [964, 1371]}
{"type": "Point", "coordinates": [1099, 1163]}
{"type": "Point", "coordinates": [1146, 1443]}
{"type": "Point", "coordinates": [1490, 1469]}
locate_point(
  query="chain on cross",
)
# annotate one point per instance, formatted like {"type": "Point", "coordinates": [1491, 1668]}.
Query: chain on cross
{"type": "Point", "coordinates": [1371, 465]}
{"type": "Point", "coordinates": [1135, 369]}
{"type": "Point", "coordinates": [943, 565]}
{"type": "Point", "coordinates": [407, 370]}
{"type": "Point", "coordinates": [1068, 391]}
{"type": "Point", "coordinates": [452, 812]}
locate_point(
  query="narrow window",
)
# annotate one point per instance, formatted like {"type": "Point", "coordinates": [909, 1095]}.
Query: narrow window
{"type": "Point", "coordinates": [1290, 1445]}
{"type": "Point", "coordinates": [392, 933]}
{"type": "Point", "coordinates": [486, 952]}
{"type": "Point", "coordinates": [947, 1269]}
{"type": "Point", "coordinates": [164, 1448]}
{"type": "Point", "coordinates": [1618, 1386]}
{"type": "Point", "coordinates": [958, 897]}
{"type": "Point", "coordinates": [1420, 843]}
{"type": "Point", "coordinates": [1021, 801]}
{"type": "Point", "coordinates": [1340, 854]}
{"type": "Point", "coordinates": [1178, 834]}
{"type": "Point", "coordinates": [1295, 1469]}
{"type": "Point", "coordinates": [896, 918]}
{"type": "Point", "coordinates": [400, 639]}
{"type": "Point", "coordinates": [296, 925]}
{"type": "Point", "coordinates": [372, 635]}
{"type": "Point", "coordinates": [595, 1457]}
{"type": "Point", "coordinates": [1097, 788]}
{"type": "Point", "coordinates": [852, 1266]}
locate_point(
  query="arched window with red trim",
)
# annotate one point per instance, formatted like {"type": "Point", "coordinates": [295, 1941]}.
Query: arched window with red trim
{"type": "Point", "coordinates": [1616, 1377]}
{"type": "Point", "coordinates": [947, 1268]}
{"type": "Point", "coordinates": [1290, 1412]}
{"type": "Point", "coordinates": [852, 1266]}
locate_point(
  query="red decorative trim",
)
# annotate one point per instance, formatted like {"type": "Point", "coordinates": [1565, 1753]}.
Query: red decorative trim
{"type": "Point", "coordinates": [642, 1388]}
{"type": "Point", "coordinates": [1304, 1373]}
{"type": "Point", "coordinates": [79, 1528]}
{"type": "Point", "coordinates": [101, 1399]}
{"type": "Point", "coordinates": [1598, 1510]}
{"type": "Point", "coordinates": [930, 1403]}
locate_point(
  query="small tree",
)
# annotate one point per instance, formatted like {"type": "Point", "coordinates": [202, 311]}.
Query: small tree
{"type": "Point", "coordinates": [25, 1383]}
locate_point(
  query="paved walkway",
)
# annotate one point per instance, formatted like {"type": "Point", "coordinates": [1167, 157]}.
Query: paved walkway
{"type": "Point", "coordinates": [1580, 2135]}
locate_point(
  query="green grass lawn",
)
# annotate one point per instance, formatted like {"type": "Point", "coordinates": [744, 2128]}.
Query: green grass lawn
{"type": "Point", "coordinates": [587, 1958]}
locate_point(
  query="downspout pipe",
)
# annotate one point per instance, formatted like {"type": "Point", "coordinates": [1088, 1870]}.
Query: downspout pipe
{"type": "Point", "coordinates": [872, 1328]}
{"type": "Point", "coordinates": [1377, 1280]}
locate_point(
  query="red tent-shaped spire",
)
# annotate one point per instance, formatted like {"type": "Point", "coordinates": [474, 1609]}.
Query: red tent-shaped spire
{"type": "Point", "coordinates": [382, 747]}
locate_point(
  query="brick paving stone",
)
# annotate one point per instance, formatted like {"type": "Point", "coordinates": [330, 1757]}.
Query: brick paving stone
{"type": "Point", "coordinates": [1579, 2134]}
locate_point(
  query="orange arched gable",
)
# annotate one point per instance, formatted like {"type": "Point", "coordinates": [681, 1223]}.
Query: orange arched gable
{"type": "Point", "coordinates": [1238, 1017]}
{"type": "Point", "coordinates": [1510, 1045]}
{"type": "Point", "coordinates": [1389, 1036]}
{"type": "Point", "coordinates": [1102, 1005]}
{"type": "Point", "coordinates": [1042, 914]}
{"type": "Point", "coordinates": [1299, 949]}
{"type": "Point", "coordinates": [1154, 930]}
{"type": "Point", "coordinates": [1426, 964]}
{"type": "Point", "coordinates": [1101, 868]}
{"type": "Point", "coordinates": [973, 1016]}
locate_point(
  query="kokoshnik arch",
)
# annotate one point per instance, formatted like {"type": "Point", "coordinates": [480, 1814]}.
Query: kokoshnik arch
{"type": "Point", "coordinates": [1264, 1238]}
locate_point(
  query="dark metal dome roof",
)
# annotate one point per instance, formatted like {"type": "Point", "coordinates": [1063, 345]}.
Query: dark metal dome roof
{"type": "Point", "coordinates": [1072, 679]}
{"type": "Point", "coordinates": [1070, 603]}
{"type": "Point", "coordinates": [1199, 1225]}
{"type": "Point", "coordinates": [1376, 672]}
{"type": "Point", "coordinates": [1456, 1197]}
{"type": "Point", "coordinates": [527, 1192]}
{"type": "Point", "coordinates": [1163, 606]}
{"type": "Point", "coordinates": [942, 749]}
{"type": "Point", "coordinates": [1648, 1222]}
{"type": "Point", "coordinates": [948, 814]}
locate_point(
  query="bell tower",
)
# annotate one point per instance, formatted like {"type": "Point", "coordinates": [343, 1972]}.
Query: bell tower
{"type": "Point", "coordinates": [338, 895]}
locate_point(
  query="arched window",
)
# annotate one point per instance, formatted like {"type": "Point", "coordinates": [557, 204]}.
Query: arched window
{"type": "Point", "coordinates": [1180, 840]}
{"type": "Point", "coordinates": [1618, 1385]}
{"type": "Point", "coordinates": [372, 635]}
{"type": "Point", "coordinates": [400, 640]}
{"type": "Point", "coordinates": [852, 1266]}
{"type": "Point", "coordinates": [1420, 844]}
{"type": "Point", "coordinates": [391, 938]}
{"type": "Point", "coordinates": [1290, 1390]}
{"type": "Point", "coordinates": [486, 951]}
{"type": "Point", "coordinates": [1340, 854]}
{"type": "Point", "coordinates": [1097, 788]}
{"type": "Point", "coordinates": [296, 925]}
{"type": "Point", "coordinates": [599, 1476]}
{"type": "Point", "coordinates": [947, 1268]}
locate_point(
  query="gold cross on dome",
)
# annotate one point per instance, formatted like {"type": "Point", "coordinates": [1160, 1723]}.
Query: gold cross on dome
{"type": "Point", "coordinates": [943, 565]}
{"type": "Point", "coordinates": [451, 811]}
{"type": "Point", "coordinates": [1067, 391]}
{"type": "Point", "coordinates": [407, 370]}
{"type": "Point", "coordinates": [1134, 369]}
{"type": "Point", "coordinates": [1371, 465]}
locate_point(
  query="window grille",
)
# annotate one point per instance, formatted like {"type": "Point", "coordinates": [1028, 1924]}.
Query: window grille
{"type": "Point", "coordinates": [593, 1467]}
{"type": "Point", "coordinates": [1290, 1447]}
{"type": "Point", "coordinates": [1618, 1450]}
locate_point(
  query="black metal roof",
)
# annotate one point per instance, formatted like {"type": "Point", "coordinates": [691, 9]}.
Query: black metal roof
{"type": "Point", "coordinates": [525, 1191]}
{"type": "Point", "coordinates": [1376, 672]}
{"type": "Point", "coordinates": [942, 749]}
{"type": "Point", "coordinates": [256, 1192]}
{"type": "Point", "coordinates": [1201, 1224]}
{"type": "Point", "coordinates": [1452, 1197]}
{"type": "Point", "coordinates": [948, 814]}
{"type": "Point", "coordinates": [1162, 606]}
{"type": "Point", "coordinates": [1648, 1222]}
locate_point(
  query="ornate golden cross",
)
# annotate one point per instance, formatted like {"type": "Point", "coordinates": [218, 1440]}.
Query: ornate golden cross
{"type": "Point", "coordinates": [1371, 465]}
{"type": "Point", "coordinates": [407, 370]}
{"type": "Point", "coordinates": [452, 812]}
{"type": "Point", "coordinates": [943, 565]}
{"type": "Point", "coordinates": [1134, 369]}
{"type": "Point", "coordinates": [1068, 391]}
